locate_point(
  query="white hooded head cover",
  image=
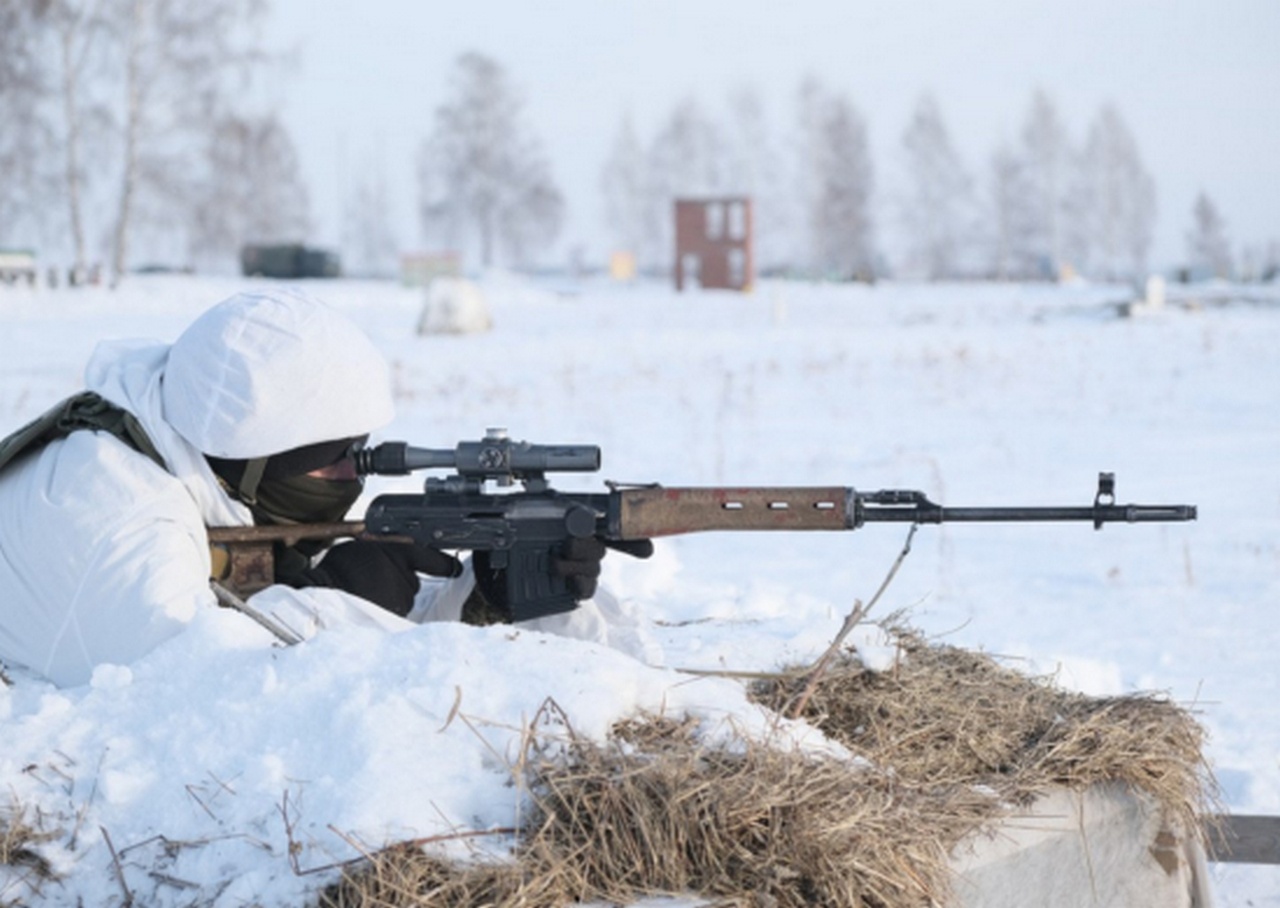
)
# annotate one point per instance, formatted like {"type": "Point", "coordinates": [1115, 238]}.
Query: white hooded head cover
{"type": "Point", "coordinates": [272, 370]}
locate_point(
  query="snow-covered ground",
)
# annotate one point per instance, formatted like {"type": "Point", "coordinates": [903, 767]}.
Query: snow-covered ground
{"type": "Point", "coordinates": [201, 765]}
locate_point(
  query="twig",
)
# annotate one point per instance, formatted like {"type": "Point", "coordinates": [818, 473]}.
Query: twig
{"type": "Point", "coordinates": [115, 860]}
{"type": "Point", "coordinates": [814, 669]}
{"type": "Point", "coordinates": [293, 847]}
{"type": "Point", "coordinates": [453, 710]}
{"type": "Point", "coordinates": [370, 856]}
{"type": "Point", "coordinates": [203, 806]}
{"type": "Point", "coordinates": [225, 786]}
{"type": "Point", "coordinates": [854, 617]}
{"type": "Point", "coordinates": [173, 846]}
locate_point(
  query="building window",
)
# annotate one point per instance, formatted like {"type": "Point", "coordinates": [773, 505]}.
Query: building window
{"type": "Point", "coordinates": [737, 221]}
{"type": "Point", "coordinates": [715, 220]}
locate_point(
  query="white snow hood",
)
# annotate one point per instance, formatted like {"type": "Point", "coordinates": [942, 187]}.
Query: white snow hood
{"type": "Point", "coordinates": [270, 370]}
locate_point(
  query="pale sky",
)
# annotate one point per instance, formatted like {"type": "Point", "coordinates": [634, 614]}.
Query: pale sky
{"type": "Point", "coordinates": [1198, 82]}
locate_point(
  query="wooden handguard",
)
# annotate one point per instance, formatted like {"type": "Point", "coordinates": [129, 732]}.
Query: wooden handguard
{"type": "Point", "coordinates": [646, 513]}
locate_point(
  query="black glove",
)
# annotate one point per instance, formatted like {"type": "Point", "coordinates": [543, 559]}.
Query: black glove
{"type": "Point", "coordinates": [577, 561]}
{"type": "Point", "coordinates": [385, 573]}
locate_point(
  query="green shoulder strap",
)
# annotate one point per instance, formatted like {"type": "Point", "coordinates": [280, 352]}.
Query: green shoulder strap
{"type": "Point", "coordinates": [86, 410]}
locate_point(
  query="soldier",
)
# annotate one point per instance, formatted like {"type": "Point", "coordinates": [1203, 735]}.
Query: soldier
{"type": "Point", "coordinates": [251, 416]}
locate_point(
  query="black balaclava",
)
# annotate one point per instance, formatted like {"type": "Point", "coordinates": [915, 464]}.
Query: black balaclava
{"type": "Point", "coordinates": [277, 489]}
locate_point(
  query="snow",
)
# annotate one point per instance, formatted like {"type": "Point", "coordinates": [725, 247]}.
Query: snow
{"type": "Point", "coordinates": [204, 762]}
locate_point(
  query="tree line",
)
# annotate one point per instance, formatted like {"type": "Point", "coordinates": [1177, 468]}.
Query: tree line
{"type": "Point", "coordinates": [128, 124]}
{"type": "Point", "coordinates": [1046, 206]}
{"type": "Point", "coordinates": [142, 128]}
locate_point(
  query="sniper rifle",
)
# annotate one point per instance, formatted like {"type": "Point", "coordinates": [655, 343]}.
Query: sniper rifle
{"type": "Point", "coordinates": [522, 531]}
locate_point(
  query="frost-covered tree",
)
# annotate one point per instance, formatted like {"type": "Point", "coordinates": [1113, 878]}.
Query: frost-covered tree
{"type": "Point", "coordinates": [81, 32]}
{"type": "Point", "coordinates": [368, 239]}
{"type": "Point", "coordinates": [1113, 209]}
{"type": "Point", "coordinates": [1010, 229]}
{"type": "Point", "coordinates": [688, 153]}
{"type": "Point", "coordinates": [482, 172]}
{"type": "Point", "coordinates": [626, 187]}
{"type": "Point", "coordinates": [936, 206]}
{"type": "Point", "coordinates": [131, 90]}
{"type": "Point", "coordinates": [687, 158]}
{"type": "Point", "coordinates": [1046, 165]}
{"type": "Point", "coordinates": [251, 189]}
{"type": "Point", "coordinates": [182, 62]}
{"type": "Point", "coordinates": [836, 181]}
{"type": "Point", "coordinates": [23, 87]}
{"type": "Point", "coordinates": [754, 168]}
{"type": "Point", "coordinates": [1207, 245]}
{"type": "Point", "coordinates": [694, 153]}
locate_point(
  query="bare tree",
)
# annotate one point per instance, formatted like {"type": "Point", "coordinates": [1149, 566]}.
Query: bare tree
{"type": "Point", "coordinates": [937, 205]}
{"type": "Point", "coordinates": [835, 170]}
{"type": "Point", "coordinates": [368, 238]}
{"type": "Point", "coordinates": [1046, 164]}
{"type": "Point", "coordinates": [688, 153]}
{"type": "Point", "coordinates": [81, 29]}
{"type": "Point", "coordinates": [182, 62]}
{"type": "Point", "coordinates": [755, 169]}
{"type": "Point", "coordinates": [1014, 253]}
{"type": "Point", "coordinates": [23, 85]}
{"type": "Point", "coordinates": [1115, 203]}
{"type": "Point", "coordinates": [1207, 245]}
{"type": "Point", "coordinates": [687, 158]}
{"type": "Point", "coordinates": [481, 171]}
{"type": "Point", "coordinates": [251, 189]}
{"type": "Point", "coordinates": [130, 89]}
{"type": "Point", "coordinates": [625, 184]}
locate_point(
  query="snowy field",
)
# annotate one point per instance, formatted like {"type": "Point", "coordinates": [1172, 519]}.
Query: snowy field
{"type": "Point", "coordinates": [207, 763]}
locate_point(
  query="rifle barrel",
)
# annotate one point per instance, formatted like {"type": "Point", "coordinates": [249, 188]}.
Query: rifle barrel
{"type": "Point", "coordinates": [1099, 514]}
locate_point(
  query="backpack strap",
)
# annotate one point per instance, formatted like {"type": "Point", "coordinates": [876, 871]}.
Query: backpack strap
{"type": "Point", "coordinates": [86, 410]}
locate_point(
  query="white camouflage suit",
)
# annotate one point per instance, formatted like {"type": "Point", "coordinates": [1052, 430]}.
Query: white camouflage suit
{"type": "Point", "coordinates": [104, 555]}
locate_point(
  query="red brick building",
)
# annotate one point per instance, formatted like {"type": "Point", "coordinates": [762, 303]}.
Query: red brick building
{"type": "Point", "coordinates": [714, 243]}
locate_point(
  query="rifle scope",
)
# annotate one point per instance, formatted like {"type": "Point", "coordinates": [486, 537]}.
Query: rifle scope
{"type": "Point", "coordinates": [492, 458]}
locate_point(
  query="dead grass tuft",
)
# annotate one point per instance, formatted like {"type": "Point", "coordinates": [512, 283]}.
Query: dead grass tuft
{"type": "Point", "coordinates": [18, 840]}
{"type": "Point", "coordinates": [950, 737]}
{"type": "Point", "coordinates": [404, 876]}
{"type": "Point", "coordinates": [948, 716]}
{"type": "Point", "coordinates": [752, 824]}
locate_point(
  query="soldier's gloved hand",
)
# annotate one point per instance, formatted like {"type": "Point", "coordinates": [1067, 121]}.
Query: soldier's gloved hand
{"type": "Point", "coordinates": [384, 573]}
{"type": "Point", "coordinates": [579, 561]}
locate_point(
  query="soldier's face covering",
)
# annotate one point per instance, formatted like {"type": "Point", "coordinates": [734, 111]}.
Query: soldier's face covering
{"type": "Point", "coordinates": [313, 484]}
{"type": "Point", "coordinates": [305, 499]}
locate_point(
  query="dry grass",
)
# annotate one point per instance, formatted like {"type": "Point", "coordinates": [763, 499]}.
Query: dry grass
{"type": "Point", "coordinates": [404, 876]}
{"type": "Point", "coordinates": [655, 811]}
{"type": "Point", "coordinates": [948, 716]}
{"type": "Point", "coordinates": [951, 736]}
{"type": "Point", "coordinates": [18, 854]}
